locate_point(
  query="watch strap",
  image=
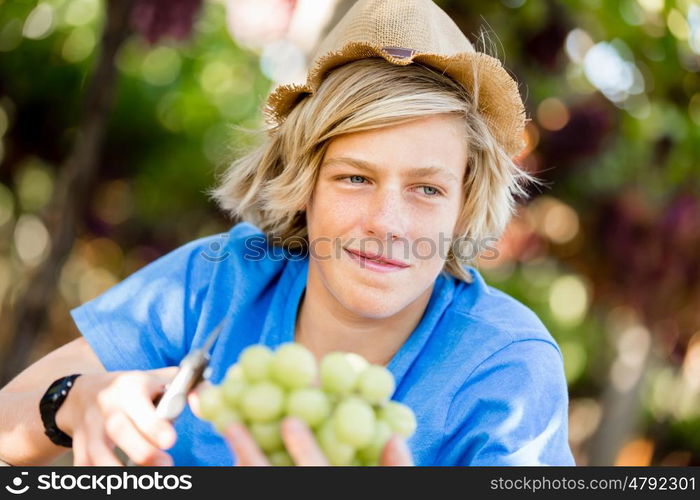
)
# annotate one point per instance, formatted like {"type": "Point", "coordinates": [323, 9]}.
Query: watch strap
{"type": "Point", "coordinates": [49, 405]}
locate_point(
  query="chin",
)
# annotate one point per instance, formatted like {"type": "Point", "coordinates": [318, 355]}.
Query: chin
{"type": "Point", "coordinates": [372, 305]}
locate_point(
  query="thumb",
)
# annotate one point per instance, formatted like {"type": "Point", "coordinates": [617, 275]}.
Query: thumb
{"type": "Point", "coordinates": [158, 379]}
{"type": "Point", "coordinates": [396, 452]}
{"type": "Point", "coordinates": [193, 397]}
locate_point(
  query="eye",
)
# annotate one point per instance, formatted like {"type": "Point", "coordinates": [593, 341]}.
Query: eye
{"type": "Point", "coordinates": [431, 191]}
{"type": "Point", "coordinates": [354, 179]}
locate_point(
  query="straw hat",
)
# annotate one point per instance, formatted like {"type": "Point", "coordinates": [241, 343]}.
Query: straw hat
{"type": "Point", "coordinates": [406, 31]}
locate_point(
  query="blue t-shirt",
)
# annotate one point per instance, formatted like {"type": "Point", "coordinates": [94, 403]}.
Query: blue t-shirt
{"type": "Point", "coordinates": [482, 374]}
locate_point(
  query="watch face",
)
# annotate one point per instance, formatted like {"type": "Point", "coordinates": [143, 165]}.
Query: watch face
{"type": "Point", "coordinates": [56, 391]}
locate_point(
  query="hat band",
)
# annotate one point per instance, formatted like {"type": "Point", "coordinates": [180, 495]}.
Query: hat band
{"type": "Point", "coordinates": [399, 52]}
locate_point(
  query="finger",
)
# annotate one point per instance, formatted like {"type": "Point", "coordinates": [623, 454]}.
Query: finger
{"type": "Point", "coordinates": [102, 455]}
{"type": "Point", "coordinates": [141, 411]}
{"type": "Point", "coordinates": [193, 398]}
{"type": "Point", "coordinates": [193, 402]}
{"type": "Point", "coordinates": [80, 456]}
{"type": "Point", "coordinates": [165, 374]}
{"type": "Point", "coordinates": [396, 452]}
{"type": "Point", "coordinates": [244, 446]}
{"type": "Point", "coordinates": [122, 430]}
{"type": "Point", "coordinates": [98, 445]}
{"type": "Point", "coordinates": [301, 444]}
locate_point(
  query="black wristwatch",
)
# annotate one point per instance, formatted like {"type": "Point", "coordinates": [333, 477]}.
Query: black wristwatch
{"type": "Point", "coordinates": [48, 407]}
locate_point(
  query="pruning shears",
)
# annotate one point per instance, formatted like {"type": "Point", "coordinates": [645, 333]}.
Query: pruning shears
{"type": "Point", "coordinates": [191, 372]}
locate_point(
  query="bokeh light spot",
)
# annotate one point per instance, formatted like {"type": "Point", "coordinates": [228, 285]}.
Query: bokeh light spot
{"type": "Point", "coordinates": [678, 25]}
{"type": "Point", "coordinates": [161, 66]}
{"type": "Point", "coordinates": [578, 42]}
{"type": "Point", "coordinates": [79, 45]}
{"type": "Point", "coordinates": [81, 12]}
{"type": "Point", "coordinates": [34, 185]}
{"type": "Point", "coordinates": [40, 22]}
{"type": "Point", "coordinates": [31, 240]}
{"type": "Point", "coordinates": [554, 219]}
{"type": "Point", "coordinates": [568, 299]}
{"type": "Point", "coordinates": [11, 35]}
{"type": "Point", "coordinates": [652, 6]}
{"type": "Point", "coordinates": [114, 202]}
{"type": "Point", "coordinates": [216, 77]}
{"type": "Point", "coordinates": [552, 114]}
{"type": "Point", "coordinates": [93, 282]}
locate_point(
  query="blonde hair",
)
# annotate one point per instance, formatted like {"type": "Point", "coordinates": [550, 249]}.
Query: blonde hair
{"type": "Point", "coordinates": [270, 185]}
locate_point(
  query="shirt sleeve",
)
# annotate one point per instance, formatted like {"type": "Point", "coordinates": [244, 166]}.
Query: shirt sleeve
{"type": "Point", "coordinates": [512, 410]}
{"type": "Point", "coordinates": [147, 321]}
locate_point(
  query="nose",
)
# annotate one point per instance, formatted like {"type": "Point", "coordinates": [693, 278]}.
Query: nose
{"type": "Point", "coordinates": [385, 216]}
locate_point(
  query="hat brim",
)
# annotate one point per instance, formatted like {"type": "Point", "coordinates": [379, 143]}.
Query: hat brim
{"type": "Point", "coordinates": [499, 100]}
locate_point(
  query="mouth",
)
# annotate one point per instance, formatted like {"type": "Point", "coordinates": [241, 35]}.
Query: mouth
{"type": "Point", "coordinates": [376, 262]}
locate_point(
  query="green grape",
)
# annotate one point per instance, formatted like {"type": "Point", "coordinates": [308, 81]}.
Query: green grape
{"type": "Point", "coordinates": [399, 417]}
{"type": "Point", "coordinates": [280, 458]}
{"type": "Point", "coordinates": [354, 422]}
{"type": "Point", "coordinates": [235, 372]}
{"type": "Point", "coordinates": [358, 362]}
{"type": "Point", "coordinates": [255, 362]}
{"type": "Point", "coordinates": [310, 405]}
{"type": "Point", "coordinates": [224, 418]}
{"type": "Point", "coordinates": [371, 453]}
{"type": "Point", "coordinates": [267, 435]}
{"type": "Point", "coordinates": [211, 403]}
{"type": "Point", "coordinates": [232, 389]}
{"type": "Point", "coordinates": [340, 412]}
{"type": "Point", "coordinates": [337, 452]}
{"type": "Point", "coordinates": [262, 402]}
{"type": "Point", "coordinates": [376, 384]}
{"type": "Point", "coordinates": [293, 366]}
{"type": "Point", "coordinates": [338, 375]}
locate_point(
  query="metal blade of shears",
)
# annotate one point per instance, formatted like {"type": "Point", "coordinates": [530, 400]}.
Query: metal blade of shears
{"type": "Point", "coordinates": [189, 374]}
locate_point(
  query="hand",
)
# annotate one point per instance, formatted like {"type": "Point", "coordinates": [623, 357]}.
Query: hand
{"type": "Point", "coordinates": [299, 442]}
{"type": "Point", "coordinates": [116, 408]}
{"type": "Point", "coordinates": [302, 446]}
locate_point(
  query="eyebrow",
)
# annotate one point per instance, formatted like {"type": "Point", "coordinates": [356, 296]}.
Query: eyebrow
{"type": "Point", "coordinates": [367, 166]}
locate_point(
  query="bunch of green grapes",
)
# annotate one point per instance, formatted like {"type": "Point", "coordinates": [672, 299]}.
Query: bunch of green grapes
{"type": "Point", "coordinates": [345, 401]}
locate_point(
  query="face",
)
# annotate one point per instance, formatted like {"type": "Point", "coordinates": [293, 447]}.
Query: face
{"type": "Point", "coordinates": [390, 193]}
